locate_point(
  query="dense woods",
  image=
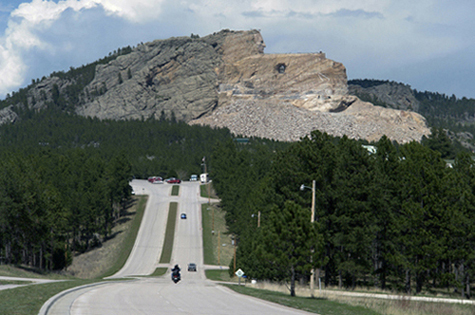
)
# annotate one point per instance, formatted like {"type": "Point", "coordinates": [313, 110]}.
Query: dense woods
{"type": "Point", "coordinates": [400, 219]}
{"type": "Point", "coordinates": [65, 179]}
{"type": "Point", "coordinates": [55, 203]}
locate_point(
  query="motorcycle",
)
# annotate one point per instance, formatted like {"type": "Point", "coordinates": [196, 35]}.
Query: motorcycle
{"type": "Point", "coordinates": [176, 277]}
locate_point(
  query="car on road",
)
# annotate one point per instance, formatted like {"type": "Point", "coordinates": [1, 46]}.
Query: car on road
{"type": "Point", "coordinates": [191, 267]}
{"type": "Point", "coordinates": [183, 216]}
{"type": "Point", "coordinates": [193, 178]}
{"type": "Point", "coordinates": [173, 180]}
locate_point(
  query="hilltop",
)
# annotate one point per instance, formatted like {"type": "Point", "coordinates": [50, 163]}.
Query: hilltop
{"type": "Point", "coordinates": [222, 80]}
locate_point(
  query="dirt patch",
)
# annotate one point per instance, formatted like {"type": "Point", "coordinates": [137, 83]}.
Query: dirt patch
{"type": "Point", "coordinates": [96, 262]}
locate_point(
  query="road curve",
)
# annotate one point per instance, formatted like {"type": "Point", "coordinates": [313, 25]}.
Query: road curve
{"type": "Point", "coordinates": [193, 295]}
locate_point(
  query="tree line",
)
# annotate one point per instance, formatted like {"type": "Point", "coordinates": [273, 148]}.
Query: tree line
{"type": "Point", "coordinates": [161, 147]}
{"type": "Point", "coordinates": [400, 219]}
{"type": "Point", "coordinates": [64, 179]}
{"type": "Point", "coordinates": [53, 204]}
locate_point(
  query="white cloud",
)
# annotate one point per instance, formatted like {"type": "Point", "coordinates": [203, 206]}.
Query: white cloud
{"type": "Point", "coordinates": [138, 11]}
{"type": "Point", "coordinates": [32, 18]}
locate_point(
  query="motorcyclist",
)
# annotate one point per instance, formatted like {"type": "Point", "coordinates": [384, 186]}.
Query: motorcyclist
{"type": "Point", "coordinates": [176, 270]}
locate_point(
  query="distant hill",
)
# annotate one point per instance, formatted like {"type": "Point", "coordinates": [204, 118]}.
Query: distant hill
{"type": "Point", "coordinates": [225, 80]}
{"type": "Point", "coordinates": [455, 115]}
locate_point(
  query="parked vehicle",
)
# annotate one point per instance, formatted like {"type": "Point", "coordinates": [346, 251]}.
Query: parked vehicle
{"type": "Point", "coordinates": [173, 180]}
{"type": "Point", "coordinates": [193, 178]}
{"type": "Point", "coordinates": [158, 180]}
{"type": "Point", "coordinates": [155, 180]}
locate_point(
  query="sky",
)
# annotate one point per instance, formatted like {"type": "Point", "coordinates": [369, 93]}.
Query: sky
{"type": "Point", "coordinates": [427, 44]}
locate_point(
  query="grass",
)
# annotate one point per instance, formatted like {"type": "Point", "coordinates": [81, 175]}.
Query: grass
{"type": "Point", "coordinates": [204, 188]}
{"type": "Point", "coordinates": [28, 272]}
{"type": "Point", "coordinates": [218, 275]}
{"type": "Point", "coordinates": [315, 305]}
{"type": "Point", "coordinates": [166, 256]}
{"type": "Point", "coordinates": [126, 248]}
{"type": "Point", "coordinates": [405, 306]}
{"type": "Point", "coordinates": [175, 190]}
{"type": "Point", "coordinates": [217, 244]}
{"type": "Point", "coordinates": [160, 271]}
{"type": "Point", "coordinates": [6, 282]}
{"type": "Point", "coordinates": [29, 299]}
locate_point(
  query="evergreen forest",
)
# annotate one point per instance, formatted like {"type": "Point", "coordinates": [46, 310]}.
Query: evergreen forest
{"type": "Point", "coordinates": [400, 219]}
{"type": "Point", "coordinates": [65, 178]}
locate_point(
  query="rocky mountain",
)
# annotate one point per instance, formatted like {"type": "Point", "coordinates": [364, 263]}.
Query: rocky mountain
{"type": "Point", "coordinates": [455, 116]}
{"type": "Point", "coordinates": [390, 94]}
{"type": "Point", "coordinates": [223, 79]}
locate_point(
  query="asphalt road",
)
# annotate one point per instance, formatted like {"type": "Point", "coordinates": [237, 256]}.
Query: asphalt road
{"type": "Point", "coordinates": [192, 295]}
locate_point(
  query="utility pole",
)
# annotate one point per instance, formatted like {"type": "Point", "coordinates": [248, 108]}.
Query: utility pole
{"type": "Point", "coordinates": [219, 249]}
{"type": "Point", "coordinates": [209, 195]}
{"type": "Point", "coordinates": [312, 219]}
{"type": "Point", "coordinates": [234, 265]}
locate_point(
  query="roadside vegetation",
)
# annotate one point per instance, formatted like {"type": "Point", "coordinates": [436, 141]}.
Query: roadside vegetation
{"type": "Point", "coordinates": [125, 248]}
{"type": "Point", "coordinates": [28, 300]}
{"type": "Point", "coordinates": [167, 250]}
{"type": "Point", "coordinates": [321, 306]}
{"type": "Point", "coordinates": [399, 219]}
{"type": "Point", "coordinates": [207, 191]}
{"type": "Point", "coordinates": [175, 190]}
{"type": "Point", "coordinates": [217, 247]}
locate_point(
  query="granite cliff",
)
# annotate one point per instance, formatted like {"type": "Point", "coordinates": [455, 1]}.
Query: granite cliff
{"type": "Point", "coordinates": [225, 79]}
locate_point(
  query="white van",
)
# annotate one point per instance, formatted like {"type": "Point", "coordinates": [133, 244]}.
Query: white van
{"type": "Point", "coordinates": [204, 178]}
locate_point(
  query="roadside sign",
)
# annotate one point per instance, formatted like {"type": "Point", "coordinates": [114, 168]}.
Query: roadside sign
{"type": "Point", "coordinates": [239, 273]}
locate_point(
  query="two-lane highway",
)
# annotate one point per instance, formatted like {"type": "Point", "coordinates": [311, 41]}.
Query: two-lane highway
{"type": "Point", "coordinates": [193, 295]}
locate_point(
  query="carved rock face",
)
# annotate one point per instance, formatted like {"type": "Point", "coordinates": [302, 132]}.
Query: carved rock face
{"type": "Point", "coordinates": [260, 43]}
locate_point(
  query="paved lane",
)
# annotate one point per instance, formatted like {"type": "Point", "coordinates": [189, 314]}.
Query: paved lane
{"type": "Point", "coordinates": [145, 254]}
{"type": "Point", "coordinates": [188, 244]}
{"type": "Point", "coordinates": [161, 296]}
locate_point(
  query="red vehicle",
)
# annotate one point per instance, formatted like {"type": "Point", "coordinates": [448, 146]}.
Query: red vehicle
{"type": "Point", "coordinates": [173, 180]}
{"type": "Point", "coordinates": [155, 180]}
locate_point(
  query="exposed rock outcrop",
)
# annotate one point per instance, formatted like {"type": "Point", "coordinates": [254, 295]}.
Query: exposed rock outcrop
{"type": "Point", "coordinates": [7, 115]}
{"type": "Point", "coordinates": [396, 95]}
{"type": "Point", "coordinates": [225, 79]}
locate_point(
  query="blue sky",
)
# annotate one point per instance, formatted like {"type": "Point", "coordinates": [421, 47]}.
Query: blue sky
{"type": "Point", "coordinates": [429, 45]}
